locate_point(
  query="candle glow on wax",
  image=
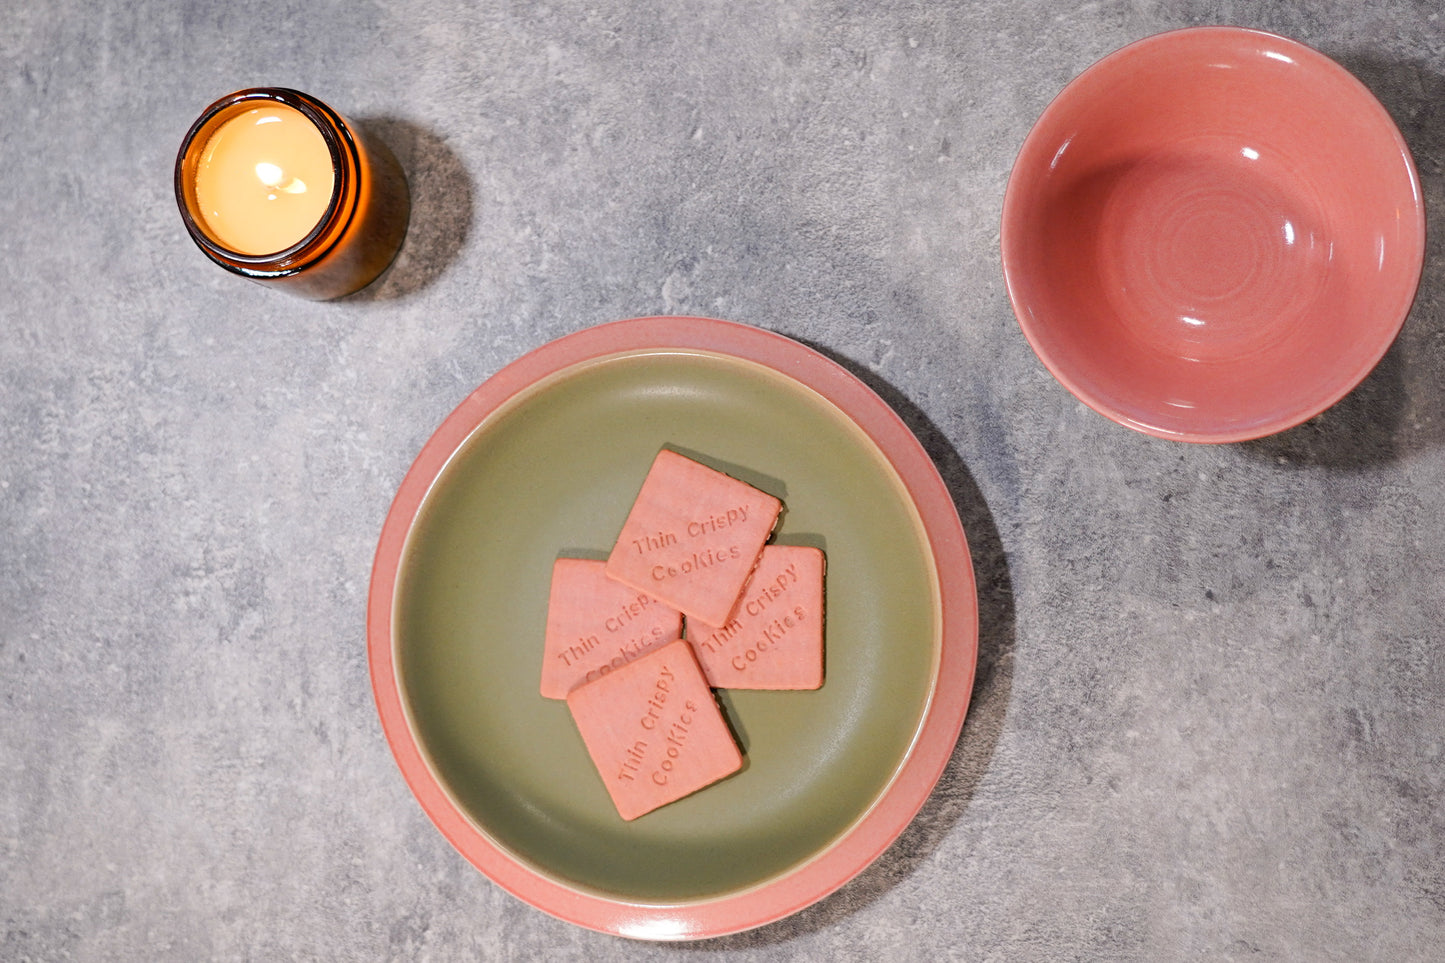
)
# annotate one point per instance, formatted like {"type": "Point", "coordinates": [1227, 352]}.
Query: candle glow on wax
{"type": "Point", "coordinates": [264, 180]}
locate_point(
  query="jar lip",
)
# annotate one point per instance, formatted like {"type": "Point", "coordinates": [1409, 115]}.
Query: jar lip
{"type": "Point", "coordinates": [344, 161]}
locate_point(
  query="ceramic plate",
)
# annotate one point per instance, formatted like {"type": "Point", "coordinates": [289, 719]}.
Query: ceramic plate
{"type": "Point", "coordinates": [544, 460]}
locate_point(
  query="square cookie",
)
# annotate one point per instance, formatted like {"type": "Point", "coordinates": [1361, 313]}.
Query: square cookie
{"type": "Point", "coordinates": [692, 537]}
{"type": "Point", "coordinates": [775, 638]}
{"type": "Point", "coordinates": [654, 731]}
{"type": "Point", "coordinates": [596, 625]}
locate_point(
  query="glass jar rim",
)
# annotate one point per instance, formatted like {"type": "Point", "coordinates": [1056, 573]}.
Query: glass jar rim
{"type": "Point", "coordinates": [344, 161]}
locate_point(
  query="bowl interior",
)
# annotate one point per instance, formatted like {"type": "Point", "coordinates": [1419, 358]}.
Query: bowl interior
{"type": "Point", "coordinates": [1213, 234]}
{"type": "Point", "coordinates": [554, 472]}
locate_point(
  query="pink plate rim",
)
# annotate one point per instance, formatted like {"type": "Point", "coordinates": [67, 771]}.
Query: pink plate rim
{"type": "Point", "coordinates": [1224, 35]}
{"type": "Point", "coordinates": [934, 739]}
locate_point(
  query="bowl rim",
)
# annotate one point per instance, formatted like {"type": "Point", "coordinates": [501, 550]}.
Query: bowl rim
{"type": "Point", "coordinates": [933, 739]}
{"type": "Point", "coordinates": [1279, 421]}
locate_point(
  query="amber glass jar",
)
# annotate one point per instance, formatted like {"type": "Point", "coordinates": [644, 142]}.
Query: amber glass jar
{"type": "Point", "coordinates": [357, 235]}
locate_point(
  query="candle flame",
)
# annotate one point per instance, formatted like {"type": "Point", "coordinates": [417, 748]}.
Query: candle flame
{"type": "Point", "coordinates": [271, 176]}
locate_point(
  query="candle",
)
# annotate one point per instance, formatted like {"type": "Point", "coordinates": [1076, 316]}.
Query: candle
{"type": "Point", "coordinates": [275, 186]}
{"type": "Point", "coordinates": [264, 180]}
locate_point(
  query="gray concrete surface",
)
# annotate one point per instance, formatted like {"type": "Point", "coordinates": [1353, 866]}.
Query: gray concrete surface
{"type": "Point", "coordinates": [1210, 712]}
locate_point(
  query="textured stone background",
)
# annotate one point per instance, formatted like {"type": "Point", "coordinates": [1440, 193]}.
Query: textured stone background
{"type": "Point", "coordinates": [1210, 711]}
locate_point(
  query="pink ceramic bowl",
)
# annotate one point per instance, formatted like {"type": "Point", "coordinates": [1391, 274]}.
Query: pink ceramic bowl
{"type": "Point", "coordinates": [1213, 234]}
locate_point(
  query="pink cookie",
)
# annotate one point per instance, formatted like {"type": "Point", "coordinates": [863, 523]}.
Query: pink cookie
{"type": "Point", "coordinates": [692, 537]}
{"type": "Point", "coordinates": [596, 625]}
{"type": "Point", "coordinates": [775, 638]}
{"type": "Point", "coordinates": [654, 731]}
